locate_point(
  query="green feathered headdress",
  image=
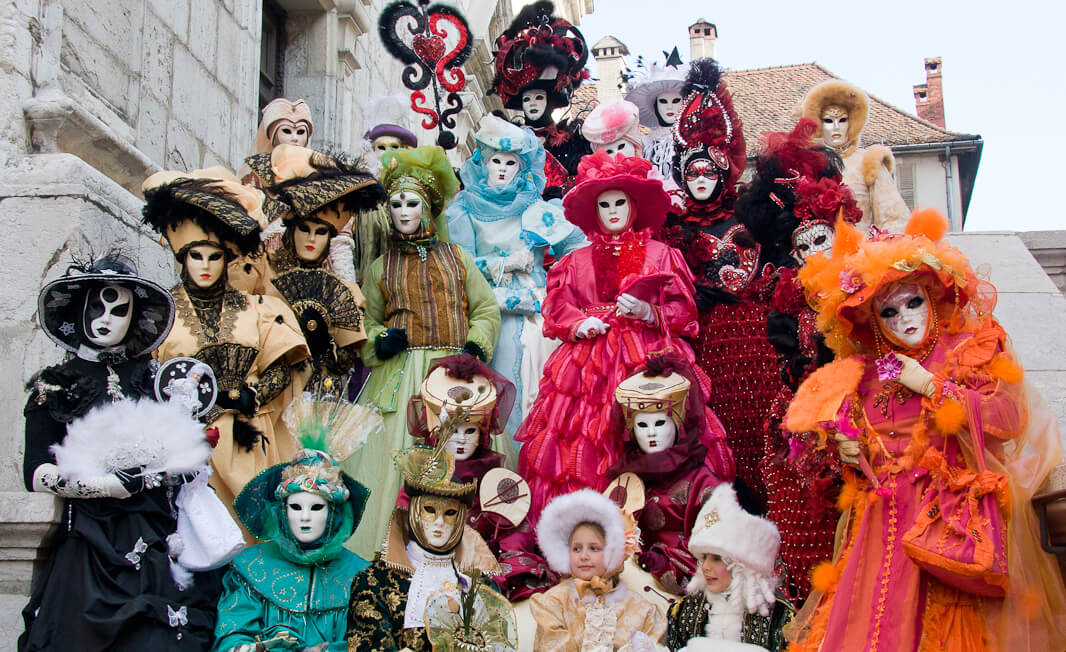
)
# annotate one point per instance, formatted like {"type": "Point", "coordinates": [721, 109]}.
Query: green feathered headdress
{"type": "Point", "coordinates": [424, 171]}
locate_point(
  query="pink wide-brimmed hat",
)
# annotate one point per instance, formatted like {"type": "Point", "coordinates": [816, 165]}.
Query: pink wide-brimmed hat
{"type": "Point", "coordinates": [600, 172]}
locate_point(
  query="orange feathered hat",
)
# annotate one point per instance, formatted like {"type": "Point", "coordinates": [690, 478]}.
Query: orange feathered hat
{"type": "Point", "coordinates": [840, 287]}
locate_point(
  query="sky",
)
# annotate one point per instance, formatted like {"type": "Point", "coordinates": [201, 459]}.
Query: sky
{"type": "Point", "coordinates": [1004, 67]}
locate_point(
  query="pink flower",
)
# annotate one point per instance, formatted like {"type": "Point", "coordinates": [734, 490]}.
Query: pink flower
{"type": "Point", "coordinates": [889, 367]}
{"type": "Point", "coordinates": [850, 282]}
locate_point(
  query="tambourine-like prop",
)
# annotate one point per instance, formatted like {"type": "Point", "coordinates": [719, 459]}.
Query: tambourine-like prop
{"type": "Point", "coordinates": [505, 493]}
{"type": "Point", "coordinates": [188, 382]}
{"type": "Point", "coordinates": [434, 42]}
{"type": "Point", "coordinates": [627, 491]}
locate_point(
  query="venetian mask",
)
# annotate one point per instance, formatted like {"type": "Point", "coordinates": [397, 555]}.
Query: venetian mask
{"type": "Point", "coordinates": [534, 104]}
{"type": "Point", "coordinates": [811, 239]}
{"type": "Point", "coordinates": [502, 167]}
{"type": "Point", "coordinates": [307, 514]}
{"type": "Point", "coordinates": [406, 210]}
{"type": "Point", "coordinates": [613, 208]}
{"type": "Point", "coordinates": [835, 127]}
{"type": "Point", "coordinates": [108, 314]}
{"type": "Point", "coordinates": [902, 313]}
{"type": "Point", "coordinates": [204, 265]}
{"type": "Point", "coordinates": [654, 431]}
{"type": "Point", "coordinates": [464, 442]}
{"type": "Point", "coordinates": [702, 180]}
{"type": "Point", "coordinates": [287, 133]}
{"type": "Point", "coordinates": [385, 143]}
{"type": "Point", "coordinates": [622, 146]}
{"type": "Point", "coordinates": [311, 240]}
{"type": "Point", "coordinates": [436, 522]}
{"type": "Point", "coordinates": [667, 106]}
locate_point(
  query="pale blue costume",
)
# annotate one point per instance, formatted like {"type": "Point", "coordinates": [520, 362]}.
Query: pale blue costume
{"type": "Point", "coordinates": [494, 223]}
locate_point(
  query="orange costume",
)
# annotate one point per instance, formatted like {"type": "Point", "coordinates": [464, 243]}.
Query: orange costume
{"type": "Point", "coordinates": [914, 437]}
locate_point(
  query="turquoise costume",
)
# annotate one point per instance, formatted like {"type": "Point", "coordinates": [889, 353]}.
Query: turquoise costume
{"type": "Point", "coordinates": [282, 585]}
{"type": "Point", "coordinates": [494, 224]}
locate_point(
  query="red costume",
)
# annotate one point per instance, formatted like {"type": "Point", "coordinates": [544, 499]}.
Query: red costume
{"type": "Point", "coordinates": [732, 296]}
{"type": "Point", "coordinates": [567, 443]}
{"type": "Point", "coordinates": [677, 480]}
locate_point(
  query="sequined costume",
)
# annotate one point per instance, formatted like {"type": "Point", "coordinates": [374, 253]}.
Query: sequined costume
{"type": "Point", "coordinates": [688, 617]}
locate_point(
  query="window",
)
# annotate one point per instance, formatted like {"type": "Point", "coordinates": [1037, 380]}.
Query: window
{"type": "Point", "coordinates": [905, 181]}
{"type": "Point", "coordinates": [272, 53]}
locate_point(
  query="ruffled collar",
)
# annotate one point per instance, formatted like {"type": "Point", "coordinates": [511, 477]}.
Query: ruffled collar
{"type": "Point", "coordinates": [707, 213]}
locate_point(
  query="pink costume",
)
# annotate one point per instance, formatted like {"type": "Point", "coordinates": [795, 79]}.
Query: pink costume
{"type": "Point", "coordinates": [567, 440]}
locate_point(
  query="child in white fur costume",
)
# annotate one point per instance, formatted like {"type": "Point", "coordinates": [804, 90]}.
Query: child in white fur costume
{"type": "Point", "coordinates": [585, 536]}
{"type": "Point", "coordinates": [730, 599]}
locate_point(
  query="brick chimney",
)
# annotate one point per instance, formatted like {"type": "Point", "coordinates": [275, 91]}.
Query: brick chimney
{"type": "Point", "coordinates": [929, 97]}
{"type": "Point", "coordinates": [702, 40]}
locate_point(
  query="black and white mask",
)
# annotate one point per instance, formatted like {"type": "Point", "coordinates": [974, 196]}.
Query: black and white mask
{"type": "Point", "coordinates": [108, 314]}
{"type": "Point", "coordinates": [811, 239]}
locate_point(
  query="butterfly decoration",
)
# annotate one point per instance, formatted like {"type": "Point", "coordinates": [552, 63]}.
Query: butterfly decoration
{"type": "Point", "coordinates": [434, 42]}
{"type": "Point", "coordinates": [178, 618]}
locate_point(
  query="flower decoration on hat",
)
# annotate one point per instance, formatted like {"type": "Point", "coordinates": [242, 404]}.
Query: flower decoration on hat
{"type": "Point", "coordinates": [539, 50]}
{"type": "Point", "coordinates": [599, 172]}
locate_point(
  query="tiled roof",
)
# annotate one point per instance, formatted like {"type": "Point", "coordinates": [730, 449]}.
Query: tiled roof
{"type": "Point", "coordinates": [765, 98]}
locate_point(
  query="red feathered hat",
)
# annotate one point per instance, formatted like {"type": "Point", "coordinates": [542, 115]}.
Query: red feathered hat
{"type": "Point", "coordinates": [600, 172]}
{"type": "Point", "coordinates": [708, 126]}
{"type": "Point", "coordinates": [539, 50]}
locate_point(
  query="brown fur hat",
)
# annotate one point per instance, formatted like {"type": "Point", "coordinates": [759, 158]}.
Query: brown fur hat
{"type": "Point", "coordinates": [837, 92]}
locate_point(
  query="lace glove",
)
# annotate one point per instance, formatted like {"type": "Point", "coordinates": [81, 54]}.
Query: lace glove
{"type": "Point", "coordinates": [633, 308]}
{"type": "Point", "coordinates": [915, 377]}
{"type": "Point", "coordinates": [390, 343]}
{"type": "Point", "coordinates": [519, 261]}
{"type": "Point", "coordinates": [591, 327]}
{"type": "Point", "coordinates": [341, 256]}
{"type": "Point", "coordinates": [849, 449]}
{"type": "Point", "coordinates": [243, 402]}
{"type": "Point", "coordinates": [46, 479]}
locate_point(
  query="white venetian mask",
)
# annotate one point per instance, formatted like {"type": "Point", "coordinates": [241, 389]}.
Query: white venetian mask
{"type": "Point", "coordinates": [667, 107]}
{"type": "Point", "coordinates": [108, 314]}
{"type": "Point", "coordinates": [464, 442]}
{"type": "Point", "coordinates": [307, 514]}
{"type": "Point", "coordinates": [613, 208]}
{"type": "Point", "coordinates": [534, 104]}
{"type": "Point", "coordinates": [406, 208]}
{"type": "Point", "coordinates": [903, 314]}
{"type": "Point", "coordinates": [501, 167]}
{"type": "Point", "coordinates": [654, 431]}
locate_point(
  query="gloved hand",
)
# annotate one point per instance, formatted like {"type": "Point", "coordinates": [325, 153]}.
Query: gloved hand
{"type": "Point", "coordinates": [915, 377]}
{"type": "Point", "coordinates": [46, 479]}
{"type": "Point", "coordinates": [641, 642]}
{"type": "Point", "coordinates": [313, 325]}
{"type": "Point", "coordinates": [474, 349]}
{"type": "Point", "coordinates": [633, 308]}
{"type": "Point", "coordinates": [591, 327]}
{"type": "Point", "coordinates": [243, 402]}
{"type": "Point", "coordinates": [849, 449]}
{"type": "Point", "coordinates": [519, 261]}
{"type": "Point", "coordinates": [390, 343]}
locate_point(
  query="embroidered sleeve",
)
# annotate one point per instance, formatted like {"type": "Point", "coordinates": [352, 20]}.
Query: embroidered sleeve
{"type": "Point", "coordinates": [552, 635]}
{"type": "Point", "coordinates": [240, 614]}
{"type": "Point", "coordinates": [273, 381]}
{"type": "Point", "coordinates": [483, 314]}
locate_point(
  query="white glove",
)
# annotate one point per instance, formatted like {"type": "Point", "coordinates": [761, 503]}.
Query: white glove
{"type": "Point", "coordinates": [46, 479]}
{"type": "Point", "coordinates": [633, 308]}
{"type": "Point", "coordinates": [591, 327]}
{"type": "Point", "coordinates": [341, 256]}
{"type": "Point", "coordinates": [915, 377]}
{"type": "Point", "coordinates": [850, 449]}
{"type": "Point", "coordinates": [641, 642]}
{"type": "Point", "coordinates": [519, 261]}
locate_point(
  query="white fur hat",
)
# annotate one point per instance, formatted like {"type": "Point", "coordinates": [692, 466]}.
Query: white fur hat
{"type": "Point", "coordinates": [564, 513]}
{"type": "Point", "coordinates": [724, 528]}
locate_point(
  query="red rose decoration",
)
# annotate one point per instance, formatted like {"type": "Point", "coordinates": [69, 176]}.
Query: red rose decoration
{"type": "Point", "coordinates": [211, 435]}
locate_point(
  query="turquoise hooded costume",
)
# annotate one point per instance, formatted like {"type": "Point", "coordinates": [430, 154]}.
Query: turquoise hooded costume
{"type": "Point", "coordinates": [282, 584]}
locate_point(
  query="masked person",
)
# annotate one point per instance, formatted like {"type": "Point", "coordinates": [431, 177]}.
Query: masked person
{"type": "Point", "coordinates": [539, 62]}
{"type": "Point", "coordinates": [791, 206]}
{"type": "Point", "coordinates": [500, 218]}
{"type": "Point", "coordinates": [292, 590]}
{"type": "Point", "coordinates": [96, 439]}
{"type": "Point", "coordinates": [428, 544]}
{"type": "Point", "coordinates": [675, 444]}
{"type": "Point", "coordinates": [614, 127]}
{"type": "Point", "coordinates": [425, 299]}
{"type": "Point", "coordinates": [657, 96]}
{"type": "Point", "coordinates": [253, 343]}
{"type": "Point", "coordinates": [926, 405]}
{"type": "Point", "coordinates": [841, 109]}
{"type": "Point", "coordinates": [321, 194]}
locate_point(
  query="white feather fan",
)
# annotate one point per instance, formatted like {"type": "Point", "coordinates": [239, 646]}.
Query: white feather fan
{"type": "Point", "coordinates": [162, 437]}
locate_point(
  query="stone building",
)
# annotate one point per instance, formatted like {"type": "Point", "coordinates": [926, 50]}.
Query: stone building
{"type": "Point", "coordinates": [96, 96]}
